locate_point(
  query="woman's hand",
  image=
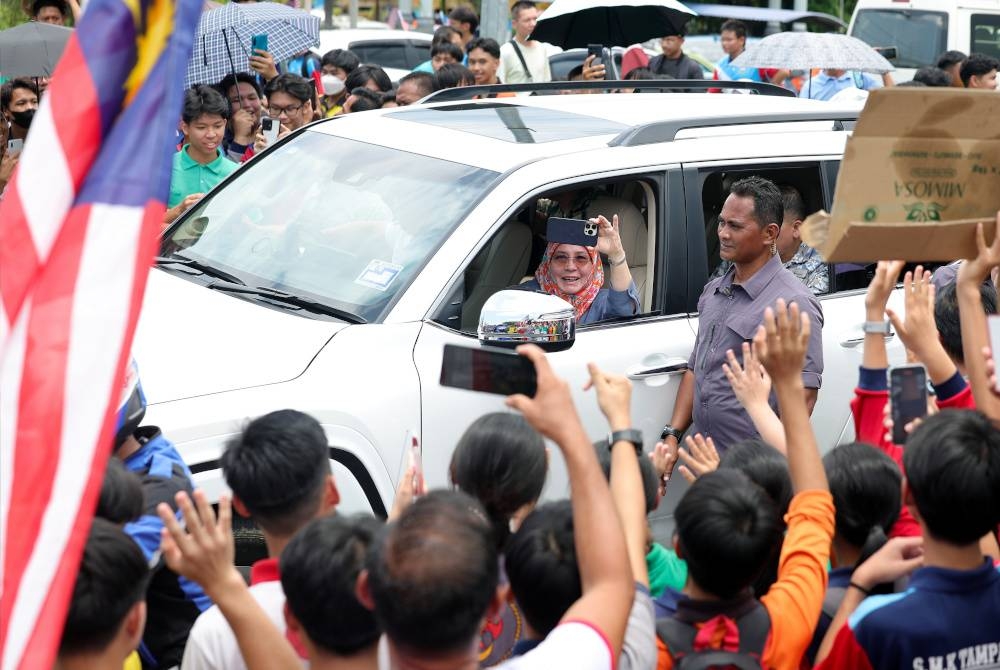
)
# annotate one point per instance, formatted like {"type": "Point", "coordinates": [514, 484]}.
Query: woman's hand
{"type": "Point", "coordinates": [609, 239]}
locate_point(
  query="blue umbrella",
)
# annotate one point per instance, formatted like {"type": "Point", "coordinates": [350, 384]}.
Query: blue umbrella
{"type": "Point", "coordinates": [222, 44]}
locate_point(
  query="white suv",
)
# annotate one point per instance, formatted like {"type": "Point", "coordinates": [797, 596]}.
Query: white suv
{"type": "Point", "coordinates": [328, 274]}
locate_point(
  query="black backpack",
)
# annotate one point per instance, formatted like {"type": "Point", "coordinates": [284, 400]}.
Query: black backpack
{"type": "Point", "coordinates": [679, 636]}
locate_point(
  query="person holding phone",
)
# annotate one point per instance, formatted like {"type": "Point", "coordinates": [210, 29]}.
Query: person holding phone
{"type": "Point", "coordinates": [575, 274]}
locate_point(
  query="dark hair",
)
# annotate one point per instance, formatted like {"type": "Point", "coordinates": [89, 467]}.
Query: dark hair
{"type": "Point", "coordinates": [423, 80]}
{"type": "Point", "coordinates": [277, 467]}
{"type": "Point", "coordinates": [363, 74]}
{"type": "Point", "coordinates": [319, 573]}
{"type": "Point", "coordinates": [434, 572]}
{"type": "Point", "coordinates": [912, 84]}
{"type": "Point", "coordinates": [500, 461]}
{"type": "Point", "coordinates": [465, 14]}
{"type": "Point", "coordinates": [121, 499]}
{"type": "Point", "coordinates": [7, 90]}
{"type": "Point", "coordinates": [976, 65]}
{"type": "Point", "coordinates": [727, 530]}
{"type": "Point", "coordinates": [639, 74]}
{"type": "Point", "coordinates": [541, 566]}
{"type": "Point", "coordinates": [442, 35]}
{"type": "Point", "coordinates": [487, 44]}
{"type": "Point", "coordinates": [61, 5]}
{"type": "Point", "coordinates": [950, 59]}
{"type": "Point", "coordinates": [767, 201]}
{"type": "Point", "coordinates": [932, 76]}
{"type": "Point", "coordinates": [577, 71]}
{"type": "Point", "coordinates": [948, 319]}
{"type": "Point", "coordinates": [345, 59]}
{"type": "Point", "coordinates": [453, 75]}
{"type": "Point", "coordinates": [520, 5]}
{"type": "Point", "coordinates": [864, 483]}
{"type": "Point", "coordinates": [792, 203]}
{"type": "Point", "coordinates": [112, 579]}
{"type": "Point", "coordinates": [365, 100]}
{"type": "Point", "coordinates": [734, 26]}
{"type": "Point", "coordinates": [202, 100]}
{"type": "Point", "coordinates": [952, 468]}
{"type": "Point", "coordinates": [452, 50]}
{"type": "Point", "coordinates": [650, 482]}
{"type": "Point", "coordinates": [297, 87]}
{"type": "Point", "coordinates": [231, 80]}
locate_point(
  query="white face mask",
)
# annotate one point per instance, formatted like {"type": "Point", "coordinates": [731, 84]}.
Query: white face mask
{"type": "Point", "coordinates": [332, 85]}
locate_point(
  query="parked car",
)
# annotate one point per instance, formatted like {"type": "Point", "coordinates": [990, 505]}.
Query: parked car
{"type": "Point", "coordinates": [396, 51]}
{"type": "Point", "coordinates": [329, 272]}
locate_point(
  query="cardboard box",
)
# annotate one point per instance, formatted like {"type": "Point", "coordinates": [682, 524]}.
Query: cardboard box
{"type": "Point", "coordinates": [920, 170]}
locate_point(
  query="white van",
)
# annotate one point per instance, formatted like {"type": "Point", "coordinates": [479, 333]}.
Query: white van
{"type": "Point", "coordinates": [922, 30]}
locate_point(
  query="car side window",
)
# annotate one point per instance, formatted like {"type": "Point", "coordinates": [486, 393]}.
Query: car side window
{"type": "Point", "coordinates": [386, 54]}
{"type": "Point", "coordinates": [985, 34]}
{"type": "Point", "coordinates": [515, 251]}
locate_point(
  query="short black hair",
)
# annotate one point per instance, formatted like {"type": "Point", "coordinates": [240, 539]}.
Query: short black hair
{"type": "Point", "coordinates": [424, 81]}
{"type": "Point", "coordinates": [121, 498]}
{"type": "Point", "coordinates": [500, 461]}
{"type": "Point", "coordinates": [948, 319]}
{"type": "Point", "coordinates": [864, 483]}
{"type": "Point", "coordinates": [112, 579]}
{"type": "Point", "coordinates": [365, 100]}
{"type": "Point", "coordinates": [541, 565]}
{"type": "Point", "coordinates": [952, 468]}
{"type": "Point", "coordinates": [7, 89]}
{"type": "Point", "coordinates": [319, 574]}
{"type": "Point", "coordinates": [231, 80]}
{"type": "Point", "coordinates": [734, 26]}
{"type": "Point", "coordinates": [298, 87]}
{"type": "Point", "coordinates": [792, 202]}
{"type": "Point", "coordinates": [487, 44]}
{"type": "Point", "coordinates": [520, 5]}
{"type": "Point", "coordinates": [768, 205]}
{"type": "Point", "coordinates": [434, 572]}
{"type": "Point", "coordinates": [202, 100]}
{"type": "Point", "coordinates": [976, 65]}
{"type": "Point", "coordinates": [932, 76]}
{"type": "Point", "coordinates": [727, 530]}
{"type": "Point", "coordinates": [577, 71]}
{"type": "Point", "coordinates": [950, 59]}
{"type": "Point", "coordinates": [452, 50]}
{"type": "Point", "coordinates": [61, 5]}
{"type": "Point", "coordinates": [345, 59]}
{"type": "Point", "coordinates": [465, 14]}
{"type": "Point", "coordinates": [443, 34]}
{"type": "Point", "coordinates": [650, 482]}
{"type": "Point", "coordinates": [913, 83]}
{"type": "Point", "coordinates": [277, 467]}
{"type": "Point", "coordinates": [363, 74]}
{"type": "Point", "coordinates": [453, 75]}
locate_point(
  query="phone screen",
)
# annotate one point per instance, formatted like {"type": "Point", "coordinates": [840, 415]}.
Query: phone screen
{"type": "Point", "coordinates": [487, 370]}
{"type": "Point", "coordinates": [908, 392]}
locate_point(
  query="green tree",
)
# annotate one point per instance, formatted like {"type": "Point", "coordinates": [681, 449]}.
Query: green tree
{"type": "Point", "coordinates": [11, 14]}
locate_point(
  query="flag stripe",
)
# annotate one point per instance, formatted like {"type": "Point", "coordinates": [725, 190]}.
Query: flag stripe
{"type": "Point", "coordinates": [10, 383]}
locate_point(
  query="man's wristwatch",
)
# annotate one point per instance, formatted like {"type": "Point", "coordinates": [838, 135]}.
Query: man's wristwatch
{"type": "Point", "coordinates": [879, 327]}
{"type": "Point", "coordinates": [628, 435]}
{"type": "Point", "coordinates": [670, 431]}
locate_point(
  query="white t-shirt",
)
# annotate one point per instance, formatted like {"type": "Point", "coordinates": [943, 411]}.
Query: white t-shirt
{"type": "Point", "coordinates": [573, 644]}
{"type": "Point", "coordinates": [537, 58]}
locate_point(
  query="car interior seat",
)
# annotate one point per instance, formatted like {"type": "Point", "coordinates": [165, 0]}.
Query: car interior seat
{"type": "Point", "coordinates": [501, 263]}
{"type": "Point", "coordinates": [635, 238]}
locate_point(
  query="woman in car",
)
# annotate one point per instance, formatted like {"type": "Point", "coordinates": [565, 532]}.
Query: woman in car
{"type": "Point", "coordinates": [576, 274]}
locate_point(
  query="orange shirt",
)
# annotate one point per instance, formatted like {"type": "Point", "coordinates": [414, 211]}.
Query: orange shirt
{"type": "Point", "coordinates": [794, 601]}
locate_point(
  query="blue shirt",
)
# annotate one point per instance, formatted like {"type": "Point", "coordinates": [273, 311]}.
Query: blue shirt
{"type": "Point", "coordinates": [824, 87]}
{"type": "Point", "coordinates": [608, 303]}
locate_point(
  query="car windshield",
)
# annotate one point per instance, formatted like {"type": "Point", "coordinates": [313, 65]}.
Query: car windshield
{"type": "Point", "coordinates": [919, 37]}
{"type": "Point", "coordinates": [342, 223]}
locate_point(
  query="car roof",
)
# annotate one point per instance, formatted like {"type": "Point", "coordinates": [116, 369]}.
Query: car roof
{"type": "Point", "coordinates": [351, 35]}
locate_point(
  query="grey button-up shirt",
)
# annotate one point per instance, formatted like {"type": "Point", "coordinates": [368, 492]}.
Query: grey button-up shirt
{"type": "Point", "coordinates": [729, 315]}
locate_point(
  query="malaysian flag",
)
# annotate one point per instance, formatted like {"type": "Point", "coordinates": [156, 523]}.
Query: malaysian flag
{"type": "Point", "coordinates": [78, 228]}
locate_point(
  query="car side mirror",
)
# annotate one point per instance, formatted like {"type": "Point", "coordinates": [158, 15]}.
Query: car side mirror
{"type": "Point", "coordinates": [512, 317]}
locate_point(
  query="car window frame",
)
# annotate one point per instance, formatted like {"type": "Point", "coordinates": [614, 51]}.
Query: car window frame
{"type": "Point", "coordinates": [993, 21]}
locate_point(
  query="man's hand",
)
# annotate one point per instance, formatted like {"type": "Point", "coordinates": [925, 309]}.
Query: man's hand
{"type": "Point", "coordinates": [262, 62]}
{"type": "Point", "coordinates": [782, 343]}
{"type": "Point", "coordinates": [663, 457]}
{"type": "Point", "coordinates": [614, 396]}
{"type": "Point", "coordinates": [976, 270]}
{"type": "Point", "coordinates": [175, 211]}
{"type": "Point", "coordinates": [591, 71]}
{"type": "Point", "coordinates": [881, 287]}
{"type": "Point", "coordinates": [244, 127]}
{"type": "Point", "coordinates": [700, 457]}
{"type": "Point", "coordinates": [551, 412]}
{"type": "Point", "coordinates": [7, 165]}
{"type": "Point", "coordinates": [897, 558]}
{"type": "Point", "coordinates": [751, 383]}
{"type": "Point", "coordinates": [204, 552]}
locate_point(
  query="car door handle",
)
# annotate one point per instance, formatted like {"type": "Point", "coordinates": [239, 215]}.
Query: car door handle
{"type": "Point", "coordinates": [852, 342]}
{"type": "Point", "coordinates": [670, 367]}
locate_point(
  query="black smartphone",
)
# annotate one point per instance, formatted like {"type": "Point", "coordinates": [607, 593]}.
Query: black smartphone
{"type": "Point", "coordinates": [258, 42]}
{"type": "Point", "coordinates": [888, 53]}
{"type": "Point", "coordinates": [908, 394]}
{"type": "Point", "coordinates": [571, 231]}
{"type": "Point", "coordinates": [487, 370]}
{"type": "Point", "coordinates": [597, 51]}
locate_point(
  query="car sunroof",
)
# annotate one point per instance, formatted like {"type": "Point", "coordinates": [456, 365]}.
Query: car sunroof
{"type": "Point", "coordinates": [511, 123]}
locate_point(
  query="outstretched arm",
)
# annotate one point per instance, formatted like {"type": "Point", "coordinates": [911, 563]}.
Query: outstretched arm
{"type": "Point", "coordinates": [975, 335]}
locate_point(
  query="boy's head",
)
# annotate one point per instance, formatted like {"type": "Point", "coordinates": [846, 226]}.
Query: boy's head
{"type": "Point", "coordinates": [980, 71]}
{"type": "Point", "coordinates": [121, 499]}
{"type": "Point", "coordinates": [19, 101]}
{"type": "Point", "coordinates": [541, 565]}
{"type": "Point", "coordinates": [108, 611]}
{"type": "Point", "coordinates": [319, 575]}
{"type": "Point", "coordinates": [278, 469]}
{"type": "Point", "coordinates": [50, 11]}
{"type": "Point", "coordinates": [444, 53]}
{"type": "Point", "coordinates": [864, 483]}
{"type": "Point", "coordinates": [951, 466]}
{"type": "Point", "coordinates": [432, 575]}
{"type": "Point", "coordinates": [948, 320]}
{"type": "Point", "coordinates": [733, 37]}
{"type": "Point", "coordinates": [727, 529]}
{"type": "Point", "coordinates": [204, 118]}
{"type": "Point", "coordinates": [290, 100]}
{"type": "Point", "coordinates": [340, 63]}
{"type": "Point", "coordinates": [951, 62]}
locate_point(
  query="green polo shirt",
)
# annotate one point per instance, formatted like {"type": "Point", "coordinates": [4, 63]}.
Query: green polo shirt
{"type": "Point", "coordinates": [189, 176]}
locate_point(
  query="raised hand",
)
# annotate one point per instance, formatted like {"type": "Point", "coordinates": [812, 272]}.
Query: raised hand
{"type": "Point", "coordinates": [977, 269]}
{"type": "Point", "coordinates": [750, 381]}
{"type": "Point", "coordinates": [700, 457]}
{"type": "Point", "coordinates": [614, 395]}
{"type": "Point", "coordinates": [881, 287]}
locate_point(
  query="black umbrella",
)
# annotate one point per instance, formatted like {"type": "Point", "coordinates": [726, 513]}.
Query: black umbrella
{"type": "Point", "coordinates": [571, 24]}
{"type": "Point", "coordinates": [32, 49]}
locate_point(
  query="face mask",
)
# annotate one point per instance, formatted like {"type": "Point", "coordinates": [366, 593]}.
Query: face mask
{"type": "Point", "coordinates": [23, 119]}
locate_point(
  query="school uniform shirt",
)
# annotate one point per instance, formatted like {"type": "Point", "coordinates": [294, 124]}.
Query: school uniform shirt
{"type": "Point", "coordinates": [948, 619]}
{"type": "Point", "coordinates": [189, 176]}
{"type": "Point", "coordinates": [536, 57]}
{"type": "Point", "coordinates": [572, 644]}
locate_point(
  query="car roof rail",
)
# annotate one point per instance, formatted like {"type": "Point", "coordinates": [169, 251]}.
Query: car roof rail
{"type": "Point", "coordinates": [667, 131]}
{"type": "Point", "coordinates": [686, 85]}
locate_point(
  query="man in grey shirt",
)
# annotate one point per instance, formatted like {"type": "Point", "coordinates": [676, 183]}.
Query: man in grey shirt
{"type": "Point", "coordinates": [731, 308]}
{"type": "Point", "coordinates": [673, 61]}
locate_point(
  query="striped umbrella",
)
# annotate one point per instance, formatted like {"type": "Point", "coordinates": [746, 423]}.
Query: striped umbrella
{"type": "Point", "coordinates": [222, 44]}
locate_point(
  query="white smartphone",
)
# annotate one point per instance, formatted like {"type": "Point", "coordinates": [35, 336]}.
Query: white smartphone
{"type": "Point", "coordinates": [270, 128]}
{"type": "Point", "coordinates": [994, 324]}
{"type": "Point", "coordinates": [14, 146]}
